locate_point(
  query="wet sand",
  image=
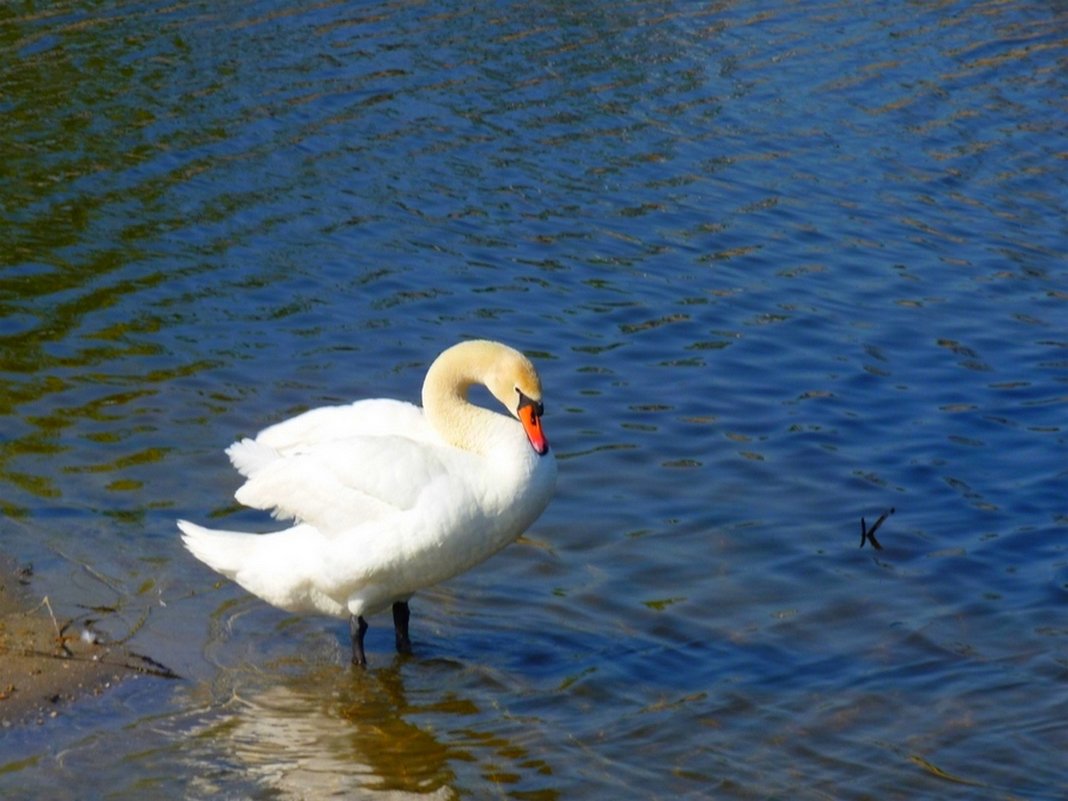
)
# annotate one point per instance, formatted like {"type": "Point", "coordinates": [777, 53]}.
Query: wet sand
{"type": "Point", "coordinates": [48, 660]}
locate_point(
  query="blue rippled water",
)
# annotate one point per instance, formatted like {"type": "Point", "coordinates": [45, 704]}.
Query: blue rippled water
{"type": "Point", "coordinates": [782, 266]}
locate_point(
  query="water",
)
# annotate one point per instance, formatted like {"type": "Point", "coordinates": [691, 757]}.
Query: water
{"type": "Point", "coordinates": [782, 267]}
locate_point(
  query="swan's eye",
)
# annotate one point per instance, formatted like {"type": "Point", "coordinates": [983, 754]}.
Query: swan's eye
{"type": "Point", "coordinates": [524, 401]}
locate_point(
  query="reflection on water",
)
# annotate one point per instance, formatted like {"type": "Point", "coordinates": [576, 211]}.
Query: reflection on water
{"type": "Point", "coordinates": [328, 733]}
{"type": "Point", "coordinates": [782, 268]}
{"type": "Point", "coordinates": [307, 725]}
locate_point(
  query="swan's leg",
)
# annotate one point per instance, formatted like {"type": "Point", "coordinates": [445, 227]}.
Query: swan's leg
{"type": "Point", "coordinates": [401, 613]}
{"type": "Point", "coordinates": [357, 628]}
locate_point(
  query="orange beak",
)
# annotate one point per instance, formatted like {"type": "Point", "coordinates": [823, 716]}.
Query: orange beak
{"type": "Point", "coordinates": [530, 417]}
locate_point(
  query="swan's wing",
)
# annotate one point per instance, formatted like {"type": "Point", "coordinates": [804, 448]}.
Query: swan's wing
{"type": "Point", "coordinates": [337, 485]}
{"type": "Point", "coordinates": [316, 427]}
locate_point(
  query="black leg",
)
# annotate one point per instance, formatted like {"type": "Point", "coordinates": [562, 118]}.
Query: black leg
{"type": "Point", "coordinates": [357, 628]}
{"type": "Point", "coordinates": [401, 613]}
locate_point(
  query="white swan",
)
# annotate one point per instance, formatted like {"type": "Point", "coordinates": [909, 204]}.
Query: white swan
{"type": "Point", "coordinates": [387, 497]}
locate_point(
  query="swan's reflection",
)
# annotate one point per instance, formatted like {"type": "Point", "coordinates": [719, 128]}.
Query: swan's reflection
{"type": "Point", "coordinates": [332, 732]}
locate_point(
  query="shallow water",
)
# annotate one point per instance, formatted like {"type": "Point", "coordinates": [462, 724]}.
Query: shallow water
{"type": "Point", "coordinates": [782, 267]}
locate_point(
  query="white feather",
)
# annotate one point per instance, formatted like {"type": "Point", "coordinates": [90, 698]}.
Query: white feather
{"type": "Point", "coordinates": [384, 502]}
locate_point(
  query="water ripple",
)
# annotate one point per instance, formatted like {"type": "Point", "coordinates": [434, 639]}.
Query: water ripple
{"type": "Point", "coordinates": [782, 268]}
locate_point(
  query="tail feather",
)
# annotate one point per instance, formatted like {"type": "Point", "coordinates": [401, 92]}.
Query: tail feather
{"type": "Point", "coordinates": [275, 566]}
{"type": "Point", "coordinates": [223, 551]}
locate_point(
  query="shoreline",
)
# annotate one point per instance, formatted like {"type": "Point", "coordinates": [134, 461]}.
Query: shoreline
{"type": "Point", "coordinates": [49, 661]}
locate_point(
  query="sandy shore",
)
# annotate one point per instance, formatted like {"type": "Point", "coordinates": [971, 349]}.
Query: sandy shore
{"type": "Point", "coordinates": [47, 660]}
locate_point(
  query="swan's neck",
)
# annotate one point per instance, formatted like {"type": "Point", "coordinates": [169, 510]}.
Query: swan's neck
{"type": "Point", "coordinates": [448, 381]}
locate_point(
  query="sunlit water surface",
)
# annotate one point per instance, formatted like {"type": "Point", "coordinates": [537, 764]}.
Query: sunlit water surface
{"type": "Point", "coordinates": [782, 266]}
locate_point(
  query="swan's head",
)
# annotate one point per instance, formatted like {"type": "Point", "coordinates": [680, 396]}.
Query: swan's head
{"type": "Point", "coordinates": [504, 371]}
{"type": "Point", "coordinates": [515, 383]}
